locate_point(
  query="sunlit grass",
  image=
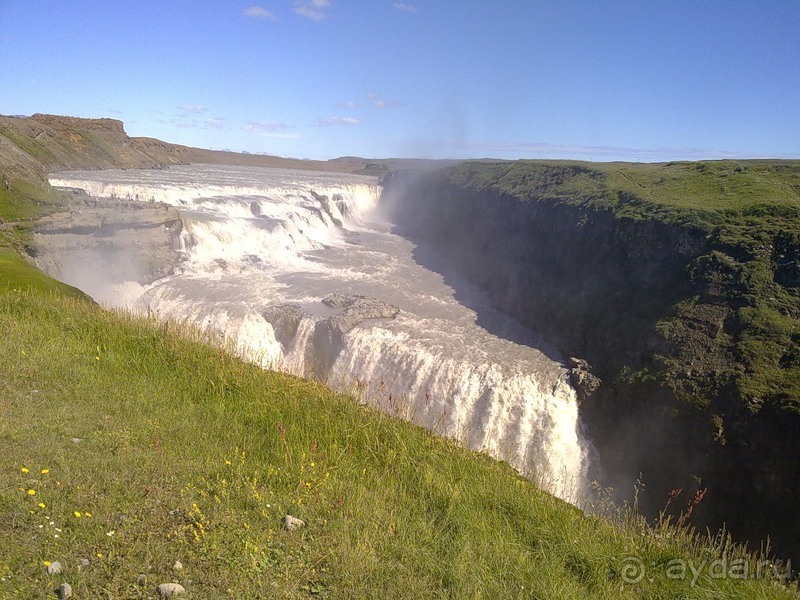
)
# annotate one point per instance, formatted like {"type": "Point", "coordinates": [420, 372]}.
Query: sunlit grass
{"type": "Point", "coordinates": [133, 444]}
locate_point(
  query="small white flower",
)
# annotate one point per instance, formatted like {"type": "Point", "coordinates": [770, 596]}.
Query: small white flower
{"type": "Point", "coordinates": [110, 533]}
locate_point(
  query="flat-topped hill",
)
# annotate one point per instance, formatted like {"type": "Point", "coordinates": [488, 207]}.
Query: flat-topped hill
{"type": "Point", "coordinates": [706, 190]}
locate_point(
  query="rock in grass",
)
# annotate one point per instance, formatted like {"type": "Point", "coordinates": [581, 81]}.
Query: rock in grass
{"type": "Point", "coordinates": [54, 568]}
{"type": "Point", "coordinates": [178, 565]}
{"type": "Point", "coordinates": [291, 523]}
{"type": "Point", "coordinates": [168, 590]}
{"type": "Point", "coordinates": [142, 579]}
{"type": "Point", "coordinates": [65, 591]}
{"type": "Point", "coordinates": [83, 562]}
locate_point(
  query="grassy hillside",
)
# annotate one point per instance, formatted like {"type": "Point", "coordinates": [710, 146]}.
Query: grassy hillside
{"type": "Point", "coordinates": [130, 445]}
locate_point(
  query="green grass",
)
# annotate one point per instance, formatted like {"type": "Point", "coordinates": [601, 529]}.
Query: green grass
{"type": "Point", "coordinates": [26, 199]}
{"type": "Point", "coordinates": [143, 446]}
{"type": "Point", "coordinates": [17, 273]}
{"type": "Point", "coordinates": [704, 192]}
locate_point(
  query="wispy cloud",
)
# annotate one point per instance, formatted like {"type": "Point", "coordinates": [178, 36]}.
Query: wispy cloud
{"type": "Point", "coordinates": [312, 9]}
{"type": "Point", "coordinates": [265, 126]}
{"type": "Point", "coordinates": [258, 12]}
{"type": "Point", "coordinates": [373, 100]}
{"type": "Point", "coordinates": [377, 101]}
{"type": "Point", "coordinates": [405, 7]}
{"type": "Point", "coordinates": [602, 153]}
{"type": "Point", "coordinates": [192, 108]}
{"type": "Point", "coordinates": [331, 121]}
{"type": "Point", "coordinates": [273, 129]}
{"type": "Point", "coordinates": [216, 123]}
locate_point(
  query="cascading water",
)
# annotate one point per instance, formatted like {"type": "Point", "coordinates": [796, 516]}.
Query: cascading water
{"type": "Point", "coordinates": [300, 272]}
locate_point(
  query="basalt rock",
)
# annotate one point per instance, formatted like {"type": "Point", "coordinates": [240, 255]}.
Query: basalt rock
{"type": "Point", "coordinates": [329, 333]}
{"type": "Point", "coordinates": [582, 379]}
{"type": "Point", "coordinates": [285, 320]}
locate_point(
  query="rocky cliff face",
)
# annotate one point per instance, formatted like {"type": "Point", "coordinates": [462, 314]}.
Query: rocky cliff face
{"type": "Point", "coordinates": [656, 308]}
{"type": "Point", "coordinates": [99, 244]}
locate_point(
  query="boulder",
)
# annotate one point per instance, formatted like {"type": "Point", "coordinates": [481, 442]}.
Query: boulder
{"type": "Point", "coordinates": [168, 590]}
{"type": "Point", "coordinates": [291, 523]}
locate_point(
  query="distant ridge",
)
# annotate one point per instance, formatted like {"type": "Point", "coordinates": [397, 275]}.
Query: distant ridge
{"type": "Point", "coordinates": [56, 142]}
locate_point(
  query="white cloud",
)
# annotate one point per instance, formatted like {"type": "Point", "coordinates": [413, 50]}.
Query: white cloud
{"type": "Point", "coordinates": [258, 12]}
{"type": "Point", "coordinates": [405, 7]}
{"type": "Point", "coordinates": [217, 123]}
{"type": "Point", "coordinates": [312, 9]}
{"type": "Point", "coordinates": [336, 121]}
{"type": "Point", "coordinates": [351, 105]}
{"type": "Point", "coordinates": [192, 108]}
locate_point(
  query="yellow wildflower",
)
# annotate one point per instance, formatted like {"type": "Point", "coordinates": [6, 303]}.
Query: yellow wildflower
{"type": "Point", "coordinates": [46, 563]}
{"type": "Point", "coordinates": [87, 514]}
{"type": "Point", "coordinates": [31, 492]}
{"type": "Point", "coordinates": [24, 469]}
{"type": "Point", "coordinates": [42, 505]}
{"type": "Point", "coordinates": [77, 514]}
{"type": "Point", "coordinates": [45, 471]}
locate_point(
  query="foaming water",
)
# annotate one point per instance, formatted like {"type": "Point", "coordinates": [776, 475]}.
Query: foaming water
{"type": "Point", "coordinates": [265, 249]}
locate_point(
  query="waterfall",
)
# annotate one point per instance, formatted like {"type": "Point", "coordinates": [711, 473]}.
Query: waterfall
{"type": "Point", "coordinates": [298, 270]}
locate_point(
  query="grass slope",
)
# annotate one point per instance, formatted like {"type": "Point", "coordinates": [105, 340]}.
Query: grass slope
{"type": "Point", "coordinates": [130, 445]}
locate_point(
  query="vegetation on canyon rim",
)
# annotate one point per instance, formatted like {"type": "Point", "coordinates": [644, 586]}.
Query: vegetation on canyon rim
{"type": "Point", "coordinates": [749, 214]}
{"type": "Point", "coordinates": [134, 444]}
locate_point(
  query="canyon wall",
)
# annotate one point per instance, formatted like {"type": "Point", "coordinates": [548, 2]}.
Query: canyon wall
{"type": "Point", "coordinates": [662, 305]}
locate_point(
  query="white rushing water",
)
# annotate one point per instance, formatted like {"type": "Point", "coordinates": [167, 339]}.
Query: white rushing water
{"type": "Point", "coordinates": [263, 247]}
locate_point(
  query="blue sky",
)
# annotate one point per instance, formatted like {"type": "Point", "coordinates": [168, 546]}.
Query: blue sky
{"type": "Point", "coordinates": [642, 80]}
